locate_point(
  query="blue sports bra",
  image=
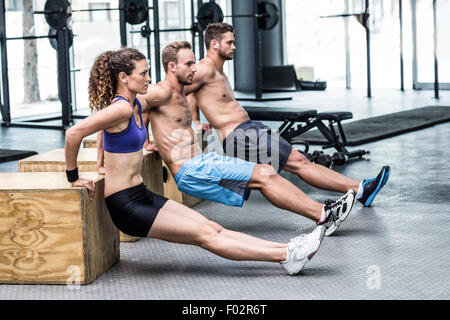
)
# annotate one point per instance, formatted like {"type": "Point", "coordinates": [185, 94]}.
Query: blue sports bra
{"type": "Point", "coordinates": [131, 139]}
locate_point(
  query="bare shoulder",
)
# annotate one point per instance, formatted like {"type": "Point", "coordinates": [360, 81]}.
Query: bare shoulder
{"type": "Point", "coordinates": [121, 108]}
{"type": "Point", "coordinates": [142, 101]}
{"type": "Point", "coordinates": [205, 73]}
{"type": "Point", "coordinates": [206, 69]}
{"type": "Point", "coordinates": [114, 113]}
{"type": "Point", "coordinates": [105, 118]}
{"type": "Point", "coordinates": [163, 93]}
{"type": "Point", "coordinates": [157, 95]}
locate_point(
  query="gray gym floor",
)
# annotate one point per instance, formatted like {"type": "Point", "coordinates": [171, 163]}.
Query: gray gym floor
{"type": "Point", "coordinates": [397, 249]}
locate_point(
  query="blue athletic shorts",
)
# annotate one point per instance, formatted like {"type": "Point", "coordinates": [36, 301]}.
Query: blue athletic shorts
{"type": "Point", "coordinates": [217, 178]}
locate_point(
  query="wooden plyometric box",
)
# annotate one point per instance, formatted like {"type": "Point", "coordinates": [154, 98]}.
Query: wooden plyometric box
{"type": "Point", "coordinates": [152, 172]}
{"type": "Point", "coordinates": [171, 190]}
{"type": "Point", "coordinates": [51, 232]}
{"type": "Point", "coordinates": [90, 142]}
{"type": "Point", "coordinates": [54, 161]}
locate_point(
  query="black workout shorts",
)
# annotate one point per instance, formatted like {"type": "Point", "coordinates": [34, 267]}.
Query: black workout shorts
{"type": "Point", "coordinates": [134, 210]}
{"type": "Point", "coordinates": [255, 142]}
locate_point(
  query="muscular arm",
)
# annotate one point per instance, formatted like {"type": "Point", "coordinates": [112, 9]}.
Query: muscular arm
{"type": "Point", "coordinates": [195, 111]}
{"type": "Point", "coordinates": [103, 119]}
{"type": "Point", "coordinates": [100, 153]}
{"type": "Point", "coordinates": [193, 107]}
{"type": "Point", "coordinates": [149, 145]}
{"type": "Point", "coordinates": [204, 73]}
{"type": "Point", "coordinates": [156, 95]}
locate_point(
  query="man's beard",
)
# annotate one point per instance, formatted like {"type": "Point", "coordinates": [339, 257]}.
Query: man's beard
{"type": "Point", "coordinates": [185, 81]}
{"type": "Point", "coordinates": [226, 57]}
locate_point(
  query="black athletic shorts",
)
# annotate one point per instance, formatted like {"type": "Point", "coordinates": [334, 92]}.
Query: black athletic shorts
{"type": "Point", "coordinates": [256, 142]}
{"type": "Point", "coordinates": [134, 210]}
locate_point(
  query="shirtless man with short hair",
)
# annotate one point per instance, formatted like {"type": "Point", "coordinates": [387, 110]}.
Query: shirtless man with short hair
{"type": "Point", "coordinates": [212, 93]}
{"type": "Point", "coordinates": [216, 177]}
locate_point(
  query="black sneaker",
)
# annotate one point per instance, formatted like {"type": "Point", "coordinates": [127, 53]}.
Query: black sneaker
{"type": "Point", "coordinates": [337, 211]}
{"type": "Point", "coordinates": [371, 187]}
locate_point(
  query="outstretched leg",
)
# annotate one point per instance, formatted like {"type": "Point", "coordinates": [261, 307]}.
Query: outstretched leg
{"type": "Point", "coordinates": [283, 194]}
{"type": "Point", "coordinates": [177, 207]}
{"type": "Point", "coordinates": [324, 178]}
{"type": "Point", "coordinates": [183, 227]}
{"type": "Point", "coordinates": [319, 176]}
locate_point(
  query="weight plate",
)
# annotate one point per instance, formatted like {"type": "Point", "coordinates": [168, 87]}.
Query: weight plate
{"type": "Point", "coordinates": [145, 31]}
{"type": "Point", "coordinates": [269, 15]}
{"type": "Point", "coordinates": [136, 11]}
{"type": "Point", "coordinates": [62, 12]}
{"type": "Point", "coordinates": [209, 12]}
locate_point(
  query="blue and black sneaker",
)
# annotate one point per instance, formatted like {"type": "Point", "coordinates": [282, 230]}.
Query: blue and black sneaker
{"type": "Point", "coordinates": [372, 186]}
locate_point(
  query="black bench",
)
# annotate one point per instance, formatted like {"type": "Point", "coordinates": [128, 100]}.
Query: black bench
{"type": "Point", "coordinates": [297, 121]}
{"type": "Point", "coordinates": [288, 116]}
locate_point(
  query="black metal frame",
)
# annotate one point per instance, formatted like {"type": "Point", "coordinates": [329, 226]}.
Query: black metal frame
{"type": "Point", "coordinates": [257, 32]}
{"type": "Point", "coordinates": [123, 25]}
{"type": "Point", "coordinates": [436, 68]}
{"type": "Point", "coordinates": [335, 140]}
{"type": "Point", "coordinates": [294, 126]}
{"type": "Point", "coordinates": [64, 73]}
{"type": "Point", "coordinates": [436, 85]}
{"type": "Point", "coordinates": [64, 81]}
{"type": "Point", "coordinates": [5, 103]}
{"type": "Point", "coordinates": [366, 27]}
{"type": "Point", "coordinates": [64, 78]}
{"type": "Point", "coordinates": [64, 88]}
{"type": "Point", "coordinates": [363, 20]}
{"type": "Point", "coordinates": [156, 30]}
{"type": "Point", "coordinates": [400, 18]}
{"type": "Point", "coordinates": [201, 42]}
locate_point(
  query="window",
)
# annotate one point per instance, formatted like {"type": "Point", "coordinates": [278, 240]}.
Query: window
{"type": "Point", "coordinates": [99, 15]}
{"type": "Point", "coordinates": [13, 5]}
{"type": "Point", "coordinates": [171, 15]}
{"type": "Point", "coordinates": [336, 46]}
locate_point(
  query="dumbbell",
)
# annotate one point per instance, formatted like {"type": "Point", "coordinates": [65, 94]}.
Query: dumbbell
{"type": "Point", "coordinates": [339, 158]}
{"type": "Point", "coordinates": [321, 158]}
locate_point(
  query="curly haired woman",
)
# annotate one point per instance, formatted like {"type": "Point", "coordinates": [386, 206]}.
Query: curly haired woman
{"type": "Point", "coordinates": [116, 78]}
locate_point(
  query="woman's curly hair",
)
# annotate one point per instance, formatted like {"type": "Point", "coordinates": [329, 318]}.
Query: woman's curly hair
{"type": "Point", "coordinates": [105, 72]}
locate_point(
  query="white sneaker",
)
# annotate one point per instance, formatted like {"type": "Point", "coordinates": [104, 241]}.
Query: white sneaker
{"type": "Point", "coordinates": [301, 249]}
{"type": "Point", "coordinates": [337, 211]}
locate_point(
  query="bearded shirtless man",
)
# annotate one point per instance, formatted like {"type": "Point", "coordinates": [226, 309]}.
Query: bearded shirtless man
{"type": "Point", "coordinates": [216, 177]}
{"type": "Point", "coordinates": [248, 139]}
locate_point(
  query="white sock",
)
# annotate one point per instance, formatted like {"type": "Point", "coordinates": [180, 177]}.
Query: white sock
{"type": "Point", "coordinates": [359, 194]}
{"type": "Point", "coordinates": [287, 254]}
{"type": "Point", "coordinates": [324, 215]}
